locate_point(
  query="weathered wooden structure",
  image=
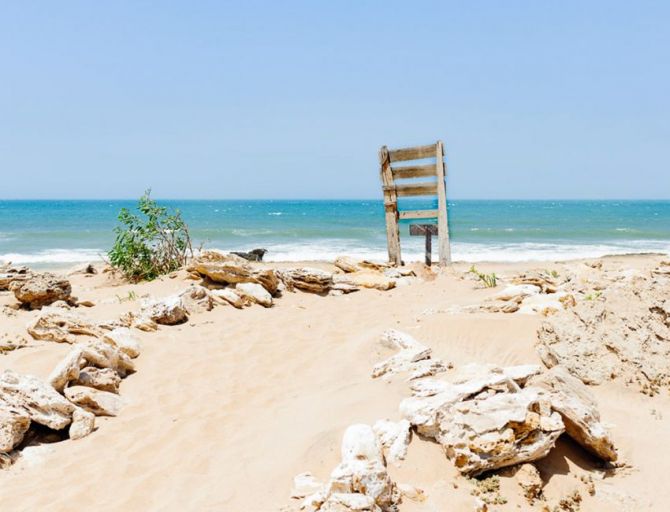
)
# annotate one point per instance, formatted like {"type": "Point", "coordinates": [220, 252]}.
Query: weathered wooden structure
{"type": "Point", "coordinates": [408, 185]}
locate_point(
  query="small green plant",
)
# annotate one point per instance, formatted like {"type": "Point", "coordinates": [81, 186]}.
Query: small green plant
{"type": "Point", "coordinates": [150, 244]}
{"type": "Point", "coordinates": [593, 296]}
{"type": "Point", "coordinates": [489, 280]}
{"type": "Point", "coordinates": [128, 298]}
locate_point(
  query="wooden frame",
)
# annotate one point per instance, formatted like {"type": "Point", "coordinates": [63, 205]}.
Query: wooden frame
{"type": "Point", "coordinates": [389, 173]}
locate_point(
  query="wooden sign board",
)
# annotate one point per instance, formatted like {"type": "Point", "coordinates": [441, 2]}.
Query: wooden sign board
{"type": "Point", "coordinates": [429, 231]}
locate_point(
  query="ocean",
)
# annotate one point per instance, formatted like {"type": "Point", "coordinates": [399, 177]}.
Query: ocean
{"type": "Point", "coordinates": [57, 233]}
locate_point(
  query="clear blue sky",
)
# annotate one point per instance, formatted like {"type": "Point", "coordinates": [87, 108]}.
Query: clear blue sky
{"type": "Point", "coordinates": [533, 99]}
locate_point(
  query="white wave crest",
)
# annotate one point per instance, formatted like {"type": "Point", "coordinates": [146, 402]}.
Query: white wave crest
{"type": "Point", "coordinates": [54, 256]}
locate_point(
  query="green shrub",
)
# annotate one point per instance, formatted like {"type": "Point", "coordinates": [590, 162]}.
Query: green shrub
{"type": "Point", "coordinates": [150, 244]}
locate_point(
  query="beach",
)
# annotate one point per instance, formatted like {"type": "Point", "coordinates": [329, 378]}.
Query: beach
{"type": "Point", "coordinates": [223, 411]}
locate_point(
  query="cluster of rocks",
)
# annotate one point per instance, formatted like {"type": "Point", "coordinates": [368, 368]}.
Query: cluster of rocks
{"type": "Point", "coordinates": [242, 283]}
{"type": "Point", "coordinates": [619, 329]}
{"type": "Point", "coordinates": [85, 384]}
{"type": "Point", "coordinates": [485, 417]}
{"type": "Point", "coordinates": [529, 292]}
{"type": "Point", "coordinates": [34, 290]}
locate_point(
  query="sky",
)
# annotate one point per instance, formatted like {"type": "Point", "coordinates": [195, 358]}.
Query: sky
{"type": "Point", "coordinates": [289, 99]}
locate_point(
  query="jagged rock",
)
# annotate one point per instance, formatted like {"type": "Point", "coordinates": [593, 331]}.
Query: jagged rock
{"type": "Point", "coordinates": [169, 311]}
{"type": "Point", "coordinates": [123, 339]}
{"type": "Point", "coordinates": [41, 290]}
{"type": "Point", "coordinates": [226, 270]}
{"type": "Point", "coordinates": [431, 396]}
{"type": "Point", "coordinates": [9, 274]}
{"type": "Point", "coordinates": [395, 437]}
{"type": "Point", "coordinates": [545, 282]}
{"type": "Point", "coordinates": [579, 410]}
{"type": "Point", "coordinates": [83, 423]}
{"type": "Point", "coordinates": [254, 292]}
{"type": "Point", "coordinates": [67, 370]}
{"type": "Point", "coordinates": [14, 424]}
{"type": "Point", "coordinates": [312, 280]}
{"type": "Point", "coordinates": [104, 355]}
{"type": "Point", "coordinates": [501, 430]}
{"type": "Point", "coordinates": [42, 403]}
{"type": "Point", "coordinates": [342, 288]}
{"type": "Point", "coordinates": [197, 299]}
{"type": "Point", "coordinates": [516, 291]}
{"type": "Point", "coordinates": [100, 403]}
{"type": "Point", "coordinates": [409, 353]}
{"type": "Point", "coordinates": [104, 379]}
{"type": "Point", "coordinates": [60, 326]}
{"type": "Point", "coordinates": [305, 484]}
{"type": "Point", "coordinates": [230, 296]}
{"type": "Point", "coordinates": [350, 265]}
{"type": "Point", "coordinates": [366, 279]}
{"type": "Point", "coordinates": [411, 493]}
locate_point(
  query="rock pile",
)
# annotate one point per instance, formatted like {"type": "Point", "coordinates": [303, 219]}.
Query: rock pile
{"type": "Point", "coordinates": [412, 357]}
{"type": "Point", "coordinates": [83, 385]}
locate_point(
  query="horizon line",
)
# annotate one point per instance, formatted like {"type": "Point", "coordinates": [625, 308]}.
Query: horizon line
{"type": "Point", "coordinates": [329, 199]}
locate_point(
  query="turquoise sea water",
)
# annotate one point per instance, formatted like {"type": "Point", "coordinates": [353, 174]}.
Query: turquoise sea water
{"type": "Point", "coordinates": [48, 233]}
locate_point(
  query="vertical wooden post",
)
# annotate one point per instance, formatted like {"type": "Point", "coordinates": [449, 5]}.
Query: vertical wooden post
{"type": "Point", "coordinates": [442, 220]}
{"type": "Point", "coordinates": [429, 248]}
{"type": "Point", "coordinates": [390, 207]}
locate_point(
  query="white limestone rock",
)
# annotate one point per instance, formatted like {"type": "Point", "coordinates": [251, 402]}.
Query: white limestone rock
{"type": "Point", "coordinates": [169, 311]}
{"type": "Point", "coordinates": [83, 423]}
{"type": "Point", "coordinates": [100, 403]}
{"type": "Point", "coordinates": [255, 292]}
{"type": "Point", "coordinates": [230, 296]}
{"type": "Point", "coordinates": [67, 370]}
{"type": "Point", "coordinates": [395, 437]}
{"type": "Point", "coordinates": [42, 403]}
{"type": "Point", "coordinates": [123, 339]}
{"type": "Point", "coordinates": [104, 379]}
{"type": "Point", "coordinates": [304, 485]}
{"type": "Point", "coordinates": [14, 424]}
{"type": "Point", "coordinates": [62, 326]}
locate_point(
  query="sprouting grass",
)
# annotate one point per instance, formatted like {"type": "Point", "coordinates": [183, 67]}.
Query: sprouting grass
{"type": "Point", "coordinates": [128, 298]}
{"type": "Point", "coordinates": [593, 296]}
{"type": "Point", "coordinates": [489, 280]}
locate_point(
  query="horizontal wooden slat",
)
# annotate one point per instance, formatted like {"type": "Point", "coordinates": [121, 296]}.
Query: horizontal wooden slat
{"type": "Point", "coordinates": [415, 153]}
{"type": "Point", "coordinates": [422, 229]}
{"type": "Point", "coordinates": [414, 171]}
{"type": "Point", "coordinates": [419, 214]}
{"type": "Point", "coordinates": [416, 189]}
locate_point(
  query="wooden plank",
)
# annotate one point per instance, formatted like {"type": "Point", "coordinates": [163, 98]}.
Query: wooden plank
{"type": "Point", "coordinates": [390, 207]}
{"type": "Point", "coordinates": [415, 153]}
{"type": "Point", "coordinates": [419, 214]}
{"type": "Point", "coordinates": [444, 248]}
{"type": "Point", "coordinates": [423, 229]}
{"type": "Point", "coordinates": [416, 189]}
{"type": "Point", "coordinates": [414, 171]}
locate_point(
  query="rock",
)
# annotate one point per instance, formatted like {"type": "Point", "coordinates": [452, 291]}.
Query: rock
{"type": "Point", "coordinates": [100, 403]}
{"type": "Point", "coordinates": [60, 326]}
{"type": "Point", "coordinates": [544, 281]}
{"type": "Point", "coordinates": [579, 410]}
{"type": "Point", "coordinates": [226, 270]}
{"type": "Point", "coordinates": [104, 355]}
{"type": "Point", "coordinates": [83, 423]}
{"type": "Point", "coordinates": [366, 279]}
{"type": "Point", "coordinates": [515, 291]}
{"type": "Point", "coordinates": [9, 274]}
{"type": "Point", "coordinates": [123, 339]}
{"type": "Point", "coordinates": [14, 424]}
{"type": "Point", "coordinates": [230, 296]}
{"type": "Point", "coordinates": [104, 379]}
{"type": "Point", "coordinates": [197, 299]}
{"type": "Point", "coordinates": [11, 342]}
{"type": "Point", "coordinates": [39, 401]}
{"type": "Point", "coordinates": [347, 264]}
{"type": "Point", "coordinates": [41, 290]}
{"type": "Point", "coordinates": [253, 255]}
{"type": "Point", "coordinates": [67, 370]}
{"type": "Point", "coordinates": [343, 288]}
{"type": "Point", "coordinates": [501, 430]}
{"type": "Point", "coordinates": [169, 311]}
{"type": "Point", "coordinates": [360, 482]}
{"type": "Point", "coordinates": [528, 478]}
{"type": "Point", "coordinates": [304, 485]}
{"type": "Point", "coordinates": [409, 352]}
{"type": "Point", "coordinates": [395, 437]}
{"type": "Point", "coordinates": [312, 280]}
{"type": "Point", "coordinates": [254, 292]}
